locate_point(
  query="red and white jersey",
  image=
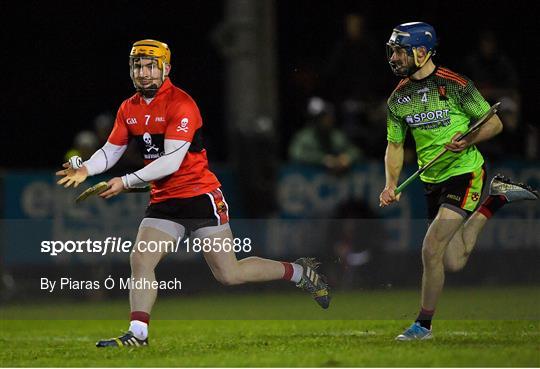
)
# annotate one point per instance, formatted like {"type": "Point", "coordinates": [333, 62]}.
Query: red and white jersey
{"type": "Point", "coordinates": [171, 115]}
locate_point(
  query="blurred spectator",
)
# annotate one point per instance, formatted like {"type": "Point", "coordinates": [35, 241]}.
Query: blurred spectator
{"type": "Point", "coordinates": [355, 80]}
{"type": "Point", "coordinates": [302, 83]}
{"type": "Point", "coordinates": [103, 124]}
{"type": "Point", "coordinates": [84, 145]}
{"type": "Point", "coordinates": [321, 142]}
{"type": "Point", "coordinates": [497, 80]}
{"type": "Point", "coordinates": [351, 63]}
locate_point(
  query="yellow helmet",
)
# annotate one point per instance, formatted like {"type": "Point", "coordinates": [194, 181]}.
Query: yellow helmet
{"type": "Point", "coordinates": [149, 49]}
{"type": "Point", "coordinates": [152, 49]}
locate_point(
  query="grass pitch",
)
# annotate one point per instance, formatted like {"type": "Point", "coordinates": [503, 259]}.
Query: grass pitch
{"type": "Point", "coordinates": [352, 332]}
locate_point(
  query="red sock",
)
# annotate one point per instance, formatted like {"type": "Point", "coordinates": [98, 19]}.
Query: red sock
{"type": "Point", "coordinates": [289, 270]}
{"type": "Point", "coordinates": [140, 316]}
{"type": "Point", "coordinates": [491, 205]}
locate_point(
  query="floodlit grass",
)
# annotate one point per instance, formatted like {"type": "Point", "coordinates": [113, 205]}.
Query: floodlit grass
{"type": "Point", "coordinates": [496, 327]}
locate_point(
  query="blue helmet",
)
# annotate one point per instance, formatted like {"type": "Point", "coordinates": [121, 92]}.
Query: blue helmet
{"type": "Point", "coordinates": [411, 36]}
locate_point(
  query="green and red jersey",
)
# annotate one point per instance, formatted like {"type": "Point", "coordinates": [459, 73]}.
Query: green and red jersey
{"type": "Point", "coordinates": [435, 108]}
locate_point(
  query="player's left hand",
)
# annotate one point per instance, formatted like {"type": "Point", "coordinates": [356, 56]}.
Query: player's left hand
{"type": "Point", "coordinates": [116, 186]}
{"type": "Point", "coordinates": [457, 146]}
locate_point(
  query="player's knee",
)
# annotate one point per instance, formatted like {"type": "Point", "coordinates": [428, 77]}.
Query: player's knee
{"type": "Point", "coordinates": [457, 263]}
{"type": "Point", "coordinates": [139, 262]}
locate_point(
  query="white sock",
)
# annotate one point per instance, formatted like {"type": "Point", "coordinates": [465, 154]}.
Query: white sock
{"type": "Point", "coordinates": [297, 272]}
{"type": "Point", "coordinates": [139, 329]}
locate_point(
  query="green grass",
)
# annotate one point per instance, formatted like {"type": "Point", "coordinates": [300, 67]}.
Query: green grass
{"type": "Point", "coordinates": [352, 333]}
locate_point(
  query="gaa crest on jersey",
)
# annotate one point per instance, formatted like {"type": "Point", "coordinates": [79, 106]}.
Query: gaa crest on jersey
{"type": "Point", "coordinates": [404, 99]}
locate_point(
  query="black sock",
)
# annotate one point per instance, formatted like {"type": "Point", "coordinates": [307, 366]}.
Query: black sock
{"type": "Point", "coordinates": [424, 318]}
{"type": "Point", "coordinates": [492, 204]}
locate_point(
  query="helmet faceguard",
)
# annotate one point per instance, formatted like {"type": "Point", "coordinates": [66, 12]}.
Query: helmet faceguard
{"type": "Point", "coordinates": [148, 66]}
{"type": "Point", "coordinates": [399, 69]}
{"type": "Point", "coordinates": [409, 37]}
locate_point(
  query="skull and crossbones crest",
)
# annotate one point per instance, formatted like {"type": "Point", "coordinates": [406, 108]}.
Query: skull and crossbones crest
{"type": "Point", "coordinates": [147, 138]}
{"type": "Point", "coordinates": [183, 126]}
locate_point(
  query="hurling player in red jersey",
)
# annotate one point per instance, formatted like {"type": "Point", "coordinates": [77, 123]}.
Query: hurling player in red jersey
{"type": "Point", "coordinates": [185, 198]}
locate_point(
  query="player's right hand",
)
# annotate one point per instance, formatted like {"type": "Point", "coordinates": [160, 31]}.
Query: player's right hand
{"type": "Point", "coordinates": [388, 196]}
{"type": "Point", "coordinates": [72, 176]}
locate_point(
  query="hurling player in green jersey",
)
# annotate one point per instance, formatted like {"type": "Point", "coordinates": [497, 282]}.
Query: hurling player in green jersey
{"type": "Point", "coordinates": [437, 105]}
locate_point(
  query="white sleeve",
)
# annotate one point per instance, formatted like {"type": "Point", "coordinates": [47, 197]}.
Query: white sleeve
{"type": "Point", "coordinates": [104, 159]}
{"type": "Point", "coordinates": [175, 151]}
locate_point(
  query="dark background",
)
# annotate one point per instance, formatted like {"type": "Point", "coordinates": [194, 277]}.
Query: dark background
{"type": "Point", "coordinates": [66, 62]}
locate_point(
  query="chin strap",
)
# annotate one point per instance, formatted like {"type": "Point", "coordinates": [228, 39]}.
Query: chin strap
{"type": "Point", "coordinates": [415, 55]}
{"type": "Point", "coordinates": [417, 64]}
